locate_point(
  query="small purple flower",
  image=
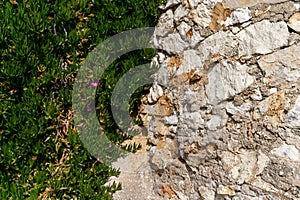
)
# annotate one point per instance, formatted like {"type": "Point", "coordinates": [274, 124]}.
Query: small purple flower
{"type": "Point", "coordinates": [95, 84]}
{"type": "Point", "coordinates": [88, 109]}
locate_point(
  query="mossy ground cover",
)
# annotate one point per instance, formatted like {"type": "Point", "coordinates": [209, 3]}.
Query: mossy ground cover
{"type": "Point", "coordinates": [43, 43]}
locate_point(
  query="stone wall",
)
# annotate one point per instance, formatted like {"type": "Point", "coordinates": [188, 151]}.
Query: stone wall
{"type": "Point", "coordinates": [223, 116]}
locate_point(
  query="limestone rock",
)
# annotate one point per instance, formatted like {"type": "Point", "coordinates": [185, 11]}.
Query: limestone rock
{"type": "Point", "coordinates": [241, 15]}
{"type": "Point", "coordinates": [242, 110]}
{"type": "Point", "coordinates": [293, 117]}
{"type": "Point", "coordinates": [155, 93]}
{"type": "Point", "coordinates": [171, 120]}
{"type": "Point", "coordinates": [195, 38]}
{"type": "Point", "coordinates": [217, 121]}
{"type": "Point", "coordinates": [201, 15]}
{"type": "Point", "coordinates": [183, 29]}
{"type": "Point", "coordinates": [297, 6]}
{"type": "Point", "coordinates": [223, 114]}
{"type": "Point", "coordinates": [137, 178]}
{"type": "Point", "coordinates": [194, 3]}
{"type": "Point", "coordinates": [244, 167]}
{"type": "Point", "coordinates": [283, 65]}
{"type": "Point", "coordinates": [179, 13]}
{"type": "Point", "coordinates": [192, 120]}
{"type": "Point", "coordinates": [294, 22]}
{"type": "Point", "coordinates": [249, 3]}
{"type": "Point", "coordinates": [257, 96]}
{"type": "Point", "coordinates": [191, 60]}
{"type": "Point", "coordinates": [173, 43]}
{"type": "Point", "coordinates": [287, 151]}
{"type": "Point", "coordinates": [170, 4]}
{"type": "Point", "coordinates": [225, 80]}
{"type": "Point", "coordinates": [221, 43]}
{"type": "Point", "coordinates": [165, 24]}
{"type": "Point", "coordinates": [263, 38]}
{"type": "Point", "coordinates": [206, 193]}
{"type": "Point", "coordinates": [225, 190]}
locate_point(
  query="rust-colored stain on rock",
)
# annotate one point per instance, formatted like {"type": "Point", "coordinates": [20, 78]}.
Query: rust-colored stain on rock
{"type": "Point", "coordinates": [175, 61]}
{"type": "Point", "coordinates": [218, 15]}
{"type": "Point", "coordinates": [166, 190]}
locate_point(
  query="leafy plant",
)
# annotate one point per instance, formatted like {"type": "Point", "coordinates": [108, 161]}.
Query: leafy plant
{"type": "Point", "coordinates": [43, 43]}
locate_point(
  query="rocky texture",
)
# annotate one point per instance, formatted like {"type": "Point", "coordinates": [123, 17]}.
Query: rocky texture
{"type": "Point", "coordinates": [263, 38]}
{"type": "Point", "coordinates": [294, 22]}
{"type": "Point", "coordinates": [223, 117]}
{"type": "Point", "coordinates": [137, 173]}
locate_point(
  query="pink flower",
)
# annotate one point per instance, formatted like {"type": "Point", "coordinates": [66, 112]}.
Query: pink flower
{"type": "Point", "coordinates": [88, 109]}
{"type": "Point", "coordinates": [95, 84]}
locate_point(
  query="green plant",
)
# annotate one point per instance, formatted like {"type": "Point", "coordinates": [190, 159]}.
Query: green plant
{"type": "Point", "coordinates": [43, 43]}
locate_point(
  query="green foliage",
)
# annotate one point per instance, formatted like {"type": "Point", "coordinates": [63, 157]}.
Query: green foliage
{"type": "Point", "coordinates": [108, 82]}
{"type": "Point", "coordinates": [43, 43]}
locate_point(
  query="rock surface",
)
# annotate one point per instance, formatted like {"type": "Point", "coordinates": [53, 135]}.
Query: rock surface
{"type": "Point", "coordinates": [294, 22]}
{"type": "Point", "coordinates": [223, 117]}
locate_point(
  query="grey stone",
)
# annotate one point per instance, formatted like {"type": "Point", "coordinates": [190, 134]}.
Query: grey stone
{"type": "Point", "coordinates": [155, 93]}
{"type": "Point", "coordinates": [221, 43]}
{"type": "Point", "coordinates": [225, 190]}
{"type": "Point", "coordinates": [273, 90]}
{"type": "Point", "coordinates": [206, 193]}
{"type": "Point", "coordinates": [179, 13]}
{"type": "Point", "coordinates": [294, 22]}
{"type": "Point", "coordinates": [249, 3]}
{"type": "Point", "coordinates": [215, 123]}
{"type": "Point", "coordinates": [226, 125]}
{"type": "Point", "coordinates": [263, 38]}
{"type": "Point", "coordinates": [281, 66]}
{"type": "Point", "coordinates": [162, 75]}
{"type": "Point", "coordinates": [195, 39]}
{"type": "Point", "coordinates": [165, 24]}
{"type": "Point", "coordinates": [257, 96]}
{"type": "Point", "coordinates": [171, 120]}
{"type": "Point", "coordinates": [297, 6]}
{"type": "Point", "coordinates": [191, 61]}
{"type": "Point", "coordinates": [170, 4]}
{"type": "Point", "coordinates": [235, 30]}
{"type": "Point", "coordinates": [183, 28]}
{"type": "Point", "coordinates": [211, 3]}
{"type": "Point", "coordinates": [136, 177]}
{"type": "Point", "coordinates": [293, 117]}
{"type": "Point", "coordinates": [194, 3]}
{"type": "Point", "coordinates": [287, 151]}
{"type": "Point", "coordinates": [241, 15]}
{"type": "Point", "coordinates": [225, 80]}
{"type": "Point", "coordinates": [192, 120]}
{"type": "Point", "coordinates": [238, 110]}
{"type": "Point", "coordinates": [201, 15]}
{"type": "Point", "coordinates": [173, 43]}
